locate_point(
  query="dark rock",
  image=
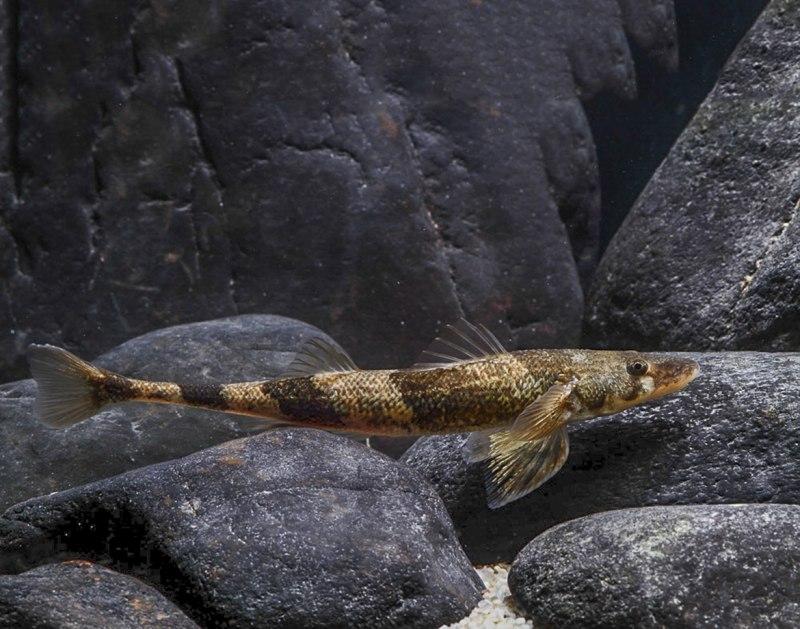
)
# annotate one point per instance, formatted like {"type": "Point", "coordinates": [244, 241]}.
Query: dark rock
{"type": "Point", "coordinates": [732, 436]}
{"type": "Point", "coordinates": [693, 566]}
{"type": "Point", "coordinates": [290, 528]}
{"type": "Point", "coordinates": [633, 136]}
{"type": "Point", "coordinates": [374, 168]}
{"type": "Point", "coordinates": [38, 460]}
{"type": "Point", "coordinates": [709, 258]}
{"type": "Point", "coordinates": [82, 594]}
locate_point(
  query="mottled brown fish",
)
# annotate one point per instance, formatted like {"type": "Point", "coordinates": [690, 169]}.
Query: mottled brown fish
{"type": "Point", "coordinates": [518, 405]}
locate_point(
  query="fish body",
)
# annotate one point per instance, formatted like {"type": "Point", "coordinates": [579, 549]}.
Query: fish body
{"type": "Point", "coordinates": [459, 398]}
{"type": "Point", "coordinates": [517, 404]}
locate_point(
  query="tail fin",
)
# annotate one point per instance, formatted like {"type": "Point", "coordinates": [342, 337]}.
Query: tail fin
{"type": "Point", "coordinates": [65, 394]}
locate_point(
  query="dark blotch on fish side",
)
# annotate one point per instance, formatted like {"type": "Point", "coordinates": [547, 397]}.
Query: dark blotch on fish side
{"type": "Point", "coordinates": [301, 399]}
{"type": "Point", "coordinates": [209, 395]}
{"type": "Point", "coordinates": [415, 389]}
{"type": "Point", "coordinates": [113, 388]}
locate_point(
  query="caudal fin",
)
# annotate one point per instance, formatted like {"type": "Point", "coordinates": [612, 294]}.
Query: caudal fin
{"type": "Point", "coordinates": [64, 386]}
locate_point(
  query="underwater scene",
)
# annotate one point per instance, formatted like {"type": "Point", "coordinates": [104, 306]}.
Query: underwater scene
{"type": "Point", "coordinates": [399, 313]}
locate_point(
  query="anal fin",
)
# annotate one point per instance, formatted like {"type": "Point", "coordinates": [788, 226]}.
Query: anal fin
{"type": "Point", "coordinates": [249, 423]}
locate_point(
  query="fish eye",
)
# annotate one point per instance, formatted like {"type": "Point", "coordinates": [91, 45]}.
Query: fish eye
{"type": "Point", "coordinates": [637, 368]}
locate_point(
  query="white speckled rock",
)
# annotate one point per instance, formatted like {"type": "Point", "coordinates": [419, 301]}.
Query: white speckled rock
{"type": "Point", "coordinates": [290, 528]}
{"type": "Point", "coordinates": [83, 595]}
{"type": "Point", "coordinates": [680, 566]}
{"type": "Point", "coordinates": [709, 256]}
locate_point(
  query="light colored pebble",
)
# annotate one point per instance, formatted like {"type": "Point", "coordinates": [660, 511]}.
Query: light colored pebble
{"type": "Point", "coordinates": [493, 611]}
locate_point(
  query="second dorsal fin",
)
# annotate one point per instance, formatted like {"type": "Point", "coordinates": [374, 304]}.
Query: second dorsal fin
{"type": "Point", "coordinates": [458, 342]}
{"type": "Point", "coordinates": [318, 355]}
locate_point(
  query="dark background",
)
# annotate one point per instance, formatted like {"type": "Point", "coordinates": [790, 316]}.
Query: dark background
{"type": "Point", "coordinates": [374, 169]}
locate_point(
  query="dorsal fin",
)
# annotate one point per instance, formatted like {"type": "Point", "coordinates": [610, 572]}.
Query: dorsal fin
{"type": "Point", "coordinates": [317, 355]}
{"type": "Point", "coordinates": [458, 342]}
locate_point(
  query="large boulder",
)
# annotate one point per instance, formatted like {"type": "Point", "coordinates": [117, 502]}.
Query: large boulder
{"type": "Point", "coordinates": [81, 594]}
{"type": "Point", "coordinates": [690, 566]}
{"type": "Point", "coordinates": [731, 436]}
{"type": "Point", "coordinates": [633, 136]}
{"type": "Point", "coordinates": [289, 528]}
{"type": "Point", "coordinates": [709, 258]}
{"type": "Point", "coordinates": [38, 460]}
{"type": "Point", "coordinates": [373, 168]}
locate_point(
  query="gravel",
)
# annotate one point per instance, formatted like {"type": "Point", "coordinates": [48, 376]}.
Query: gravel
{"type": "Point", "coordinates": [496, 609]}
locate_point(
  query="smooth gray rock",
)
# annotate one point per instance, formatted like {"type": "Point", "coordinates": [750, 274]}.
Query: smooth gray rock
{"type": "Point", "coordinates": [38, 460]}
{"type": "Point", "coordinates": [375, 168]}
{"type": "Point", "coordinates": [731, 436]}
{"type": "Point", "coordinates": [82, 595]}
{"type": "Point", "coordinates": [290, 528]}
{"type": "Point", "coordinates": [709, 258]}
{"type": "Point", "coordinates": [687, 566]}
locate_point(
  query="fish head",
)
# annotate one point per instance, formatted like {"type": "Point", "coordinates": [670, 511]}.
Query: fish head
{"type": "Point", "coordinates": [625, 379]}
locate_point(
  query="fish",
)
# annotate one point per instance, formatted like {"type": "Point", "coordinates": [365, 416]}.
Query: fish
{"type": "Point", "coordinates": [517, 406]}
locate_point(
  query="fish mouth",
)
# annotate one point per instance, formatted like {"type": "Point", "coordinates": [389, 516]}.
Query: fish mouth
{"type": "Point", "coordinates": [674, 375]}
{"type": "Point", "coordinates": [692, 372]}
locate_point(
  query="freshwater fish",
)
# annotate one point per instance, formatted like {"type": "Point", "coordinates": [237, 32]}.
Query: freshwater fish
{"type": "Point", "coordinates": [517, 405]}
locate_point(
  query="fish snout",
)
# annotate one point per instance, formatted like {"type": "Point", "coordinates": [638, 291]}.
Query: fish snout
{"type": "Point", "coordinates": [673, 374]}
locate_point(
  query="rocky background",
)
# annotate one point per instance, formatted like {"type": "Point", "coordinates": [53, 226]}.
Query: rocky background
{"type": "Point", "coordinates": [194, 190]}
{"type": "Point", "coordinates": [373, 168]}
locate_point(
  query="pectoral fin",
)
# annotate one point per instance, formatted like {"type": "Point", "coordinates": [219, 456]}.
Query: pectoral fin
{"type": "Point", "coordinates": [527, 453]}
{"type": "Point", "coordinates": [545, 414]}
{"type": "Point", "coordinates": [513, 472]}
